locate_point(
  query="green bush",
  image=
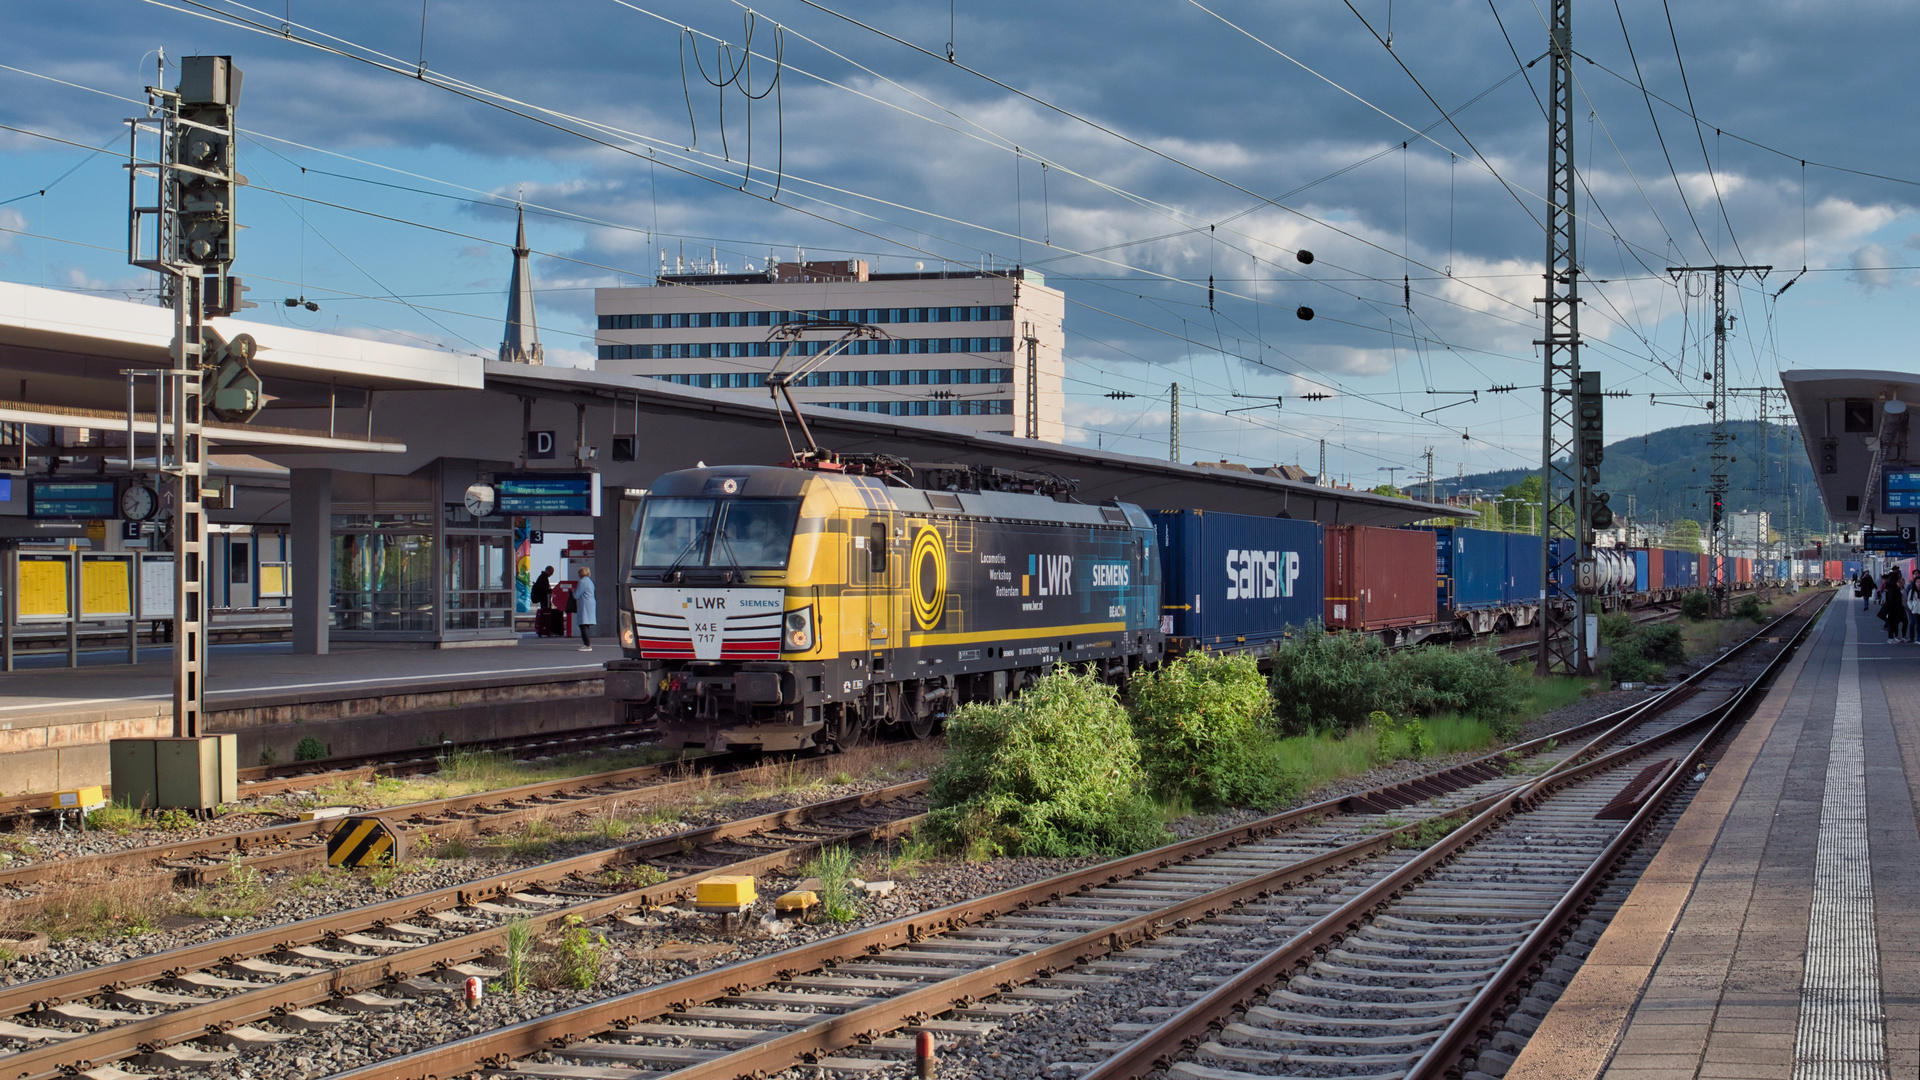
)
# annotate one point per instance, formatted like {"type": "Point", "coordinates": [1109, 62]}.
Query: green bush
{"type": "Point", "coordinates": [1615, 626]}
{"type": "Point", "coordinates": [1200, 722]}
{"type": "Point", "coordinates": [1662, 644]}
{"type": "Point", "coordinates": [1469, 682]}
{"type": "Point", "coordinates": [310, 749]}
{"type": "Point", "coordinates": [1749, 608]}
{"type": "Point", "coordinates": [1386, 737]}
{"type": "Point", "coordinates": [1392, 742]}
{"type": "Point", "coordinates": [1053, 772]}
{"type": "Point", "coordinates": [834, 867]}
{"type": "Point", "coordinates": [1330, 682]}
{"type": "Point", "coordinates": [1629, 664]}
{"type": "Point", "coordinates": [1695, 605]}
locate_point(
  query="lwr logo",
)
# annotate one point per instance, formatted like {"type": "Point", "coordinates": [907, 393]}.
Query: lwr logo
{"type": "Point", "coordinates": [1052, 575]}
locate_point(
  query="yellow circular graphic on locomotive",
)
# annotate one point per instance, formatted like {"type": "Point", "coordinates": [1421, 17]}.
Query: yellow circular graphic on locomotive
{"type": "Point", "coordinates": [929, 578]}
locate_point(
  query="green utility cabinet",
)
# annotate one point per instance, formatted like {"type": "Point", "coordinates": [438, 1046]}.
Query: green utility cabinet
{"type": "Point", "coordinates": [193, 774]}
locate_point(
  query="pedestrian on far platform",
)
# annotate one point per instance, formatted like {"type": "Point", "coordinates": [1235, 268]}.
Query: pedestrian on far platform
{"type": "Point", "coordinates": [1893, 604]}
{"type": "Point", "coordinates": [1863, 588]}
{"type": "Point", "coordinates": [583, 608]}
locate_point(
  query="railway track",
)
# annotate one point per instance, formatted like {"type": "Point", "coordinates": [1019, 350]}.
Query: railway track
{"type": "Point", "coordinates": [297, 845]}
{"type": "Point", "coordinates": [841, 1003]}
{"type": "Point", "coordinates": [259, 780]}
{"type": "Point", "coordinates": [1530, 644]}
{"type": "Point", "coordinates": [307, 976]}
{"type": "Point", "coordinates": [1413, 971]}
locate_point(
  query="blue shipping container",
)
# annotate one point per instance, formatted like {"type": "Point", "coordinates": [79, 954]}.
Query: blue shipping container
{"type": "Point", "coordinates": [1566, 575]}
{"type": "Point", "coordinates": [1642, 579]}
{"type": "Point", "coordinates": [1852, 568]}
{"type": "Point", "coordinates": [1470, 568]}
{"type": "Point", "coordinates": [1682, 569]}
{"type": "Point", "coordinates": [1235, 579]}
{"type": "Point", "coordinates": [1523, 569]}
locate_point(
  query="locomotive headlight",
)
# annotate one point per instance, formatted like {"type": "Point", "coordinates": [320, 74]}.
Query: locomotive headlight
{"type": "Point", "coordinates": [797, 630]}
{"type": "Point", "coordinates": [626, 630]}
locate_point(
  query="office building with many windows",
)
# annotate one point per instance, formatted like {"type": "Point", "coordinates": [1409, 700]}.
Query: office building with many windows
{"type": "Point", "coordinates": [956, 345]}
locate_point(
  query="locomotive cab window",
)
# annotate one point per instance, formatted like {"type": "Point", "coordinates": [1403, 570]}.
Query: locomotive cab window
{"type": "Point", "coordinates": [730, 533]}
{"type": "Point", "coordinates": [754, 532]}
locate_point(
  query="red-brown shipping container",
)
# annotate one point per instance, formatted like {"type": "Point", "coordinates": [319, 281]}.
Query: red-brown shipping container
{"type": "Point", "coordinates": [1831, 570]}
{"type": "Point", "coordinates": [1656, 566]}
{"type": "Point", "coordinates": [1378, 579]}
{"type": "Point", "coordinates": [1743, 570]}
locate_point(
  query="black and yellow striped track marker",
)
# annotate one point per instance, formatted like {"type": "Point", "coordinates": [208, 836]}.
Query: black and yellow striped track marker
{"type": "Point", "coordinates": [365, 841]}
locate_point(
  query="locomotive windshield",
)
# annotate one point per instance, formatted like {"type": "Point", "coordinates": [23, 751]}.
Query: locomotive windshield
{"type": "Point", "coordinates": [731, 533]}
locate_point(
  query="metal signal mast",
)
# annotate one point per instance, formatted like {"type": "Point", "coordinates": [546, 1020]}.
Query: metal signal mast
{"type": "Point", "coordinates": [181, 223]}
{"type": "Point", "coordinates": [1563, 488]}
{"type": "Point", "coordinates": [1718, 583]}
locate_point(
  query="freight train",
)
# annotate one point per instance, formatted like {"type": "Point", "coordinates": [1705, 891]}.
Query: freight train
{"type": "Point", "coordinates": [787, 608]}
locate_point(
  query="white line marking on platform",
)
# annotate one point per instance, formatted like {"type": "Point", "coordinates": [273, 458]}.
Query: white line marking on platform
{"type": "Point", "coordinates": [59, 703]}
{"type": "Point", "coordinates": [1842, 1033]}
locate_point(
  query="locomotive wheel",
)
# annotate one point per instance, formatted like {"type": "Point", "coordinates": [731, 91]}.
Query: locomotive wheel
{"type": "Point", "coordinates": [922, 725]}
{"type": "Point", "coordinates": [844, 729]}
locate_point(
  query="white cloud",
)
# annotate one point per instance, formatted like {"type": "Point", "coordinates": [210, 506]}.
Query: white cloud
{"type": "Point", "coordinates": [1870, 265]}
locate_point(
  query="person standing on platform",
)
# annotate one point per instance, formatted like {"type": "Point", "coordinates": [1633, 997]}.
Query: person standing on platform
{"type": "Point", "coordinates": [1912, 597]}
{"type": "Point", "coordinates": [1863, 588]}
{"type": "Point", "coordinates": [1893, 605]}
{"type": "Point", "coordinates": [583, 608]}
{"type": "Point", "coordinates": [542, 592]}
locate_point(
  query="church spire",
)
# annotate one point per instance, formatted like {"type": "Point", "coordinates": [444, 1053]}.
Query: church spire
{"type": "Point", "coordinates": [522, 344]}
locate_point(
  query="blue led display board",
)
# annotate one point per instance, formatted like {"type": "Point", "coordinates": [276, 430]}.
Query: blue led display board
{"type": "Point", "coordinates": [72, 499]}
{"type": "Point", "coordinates": [547, 493]}
{"type": "Point", "coordinates": [1900, 492]}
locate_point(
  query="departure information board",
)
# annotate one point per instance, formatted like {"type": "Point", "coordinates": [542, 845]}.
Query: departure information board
{"type": "Point", "coordinates": [1900, 491]}
{"type": "Point", "coordinates": [544, 493]}
{"type": "Point", "coordinates": [72, 499]}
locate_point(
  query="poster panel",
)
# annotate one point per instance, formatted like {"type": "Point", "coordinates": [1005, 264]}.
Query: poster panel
{"type": "Point", "coordinates": [106, 588]}
{"type": "Point", "coordinates": [156, 586]}
{"type": "Point", "coordinates": [45, 590]}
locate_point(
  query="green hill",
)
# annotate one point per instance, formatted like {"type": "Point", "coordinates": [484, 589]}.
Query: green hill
{"type": "Point", "coordinates": [1666, 473]}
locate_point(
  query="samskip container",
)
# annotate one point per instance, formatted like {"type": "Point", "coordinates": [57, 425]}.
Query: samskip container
{"type": "Point", "coordinates": [1235, 579]}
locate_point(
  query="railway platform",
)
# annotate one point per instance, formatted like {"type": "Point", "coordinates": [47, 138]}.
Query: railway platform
{"type": "Point", "coordinates": [1777, 931]}
{"type": "Point", "coordinates": [56, 722]}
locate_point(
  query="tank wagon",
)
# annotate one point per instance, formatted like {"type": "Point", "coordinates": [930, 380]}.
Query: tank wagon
{"type": "Point", "coordinates": [789, 609]}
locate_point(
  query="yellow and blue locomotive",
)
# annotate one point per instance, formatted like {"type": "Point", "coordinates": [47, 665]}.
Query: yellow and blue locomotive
{"type": "Point", "coordinates": [789, 608]}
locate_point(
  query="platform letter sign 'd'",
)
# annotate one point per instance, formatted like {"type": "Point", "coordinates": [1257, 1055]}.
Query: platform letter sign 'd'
{"type": "Point", "coordinates": [366, 841]}
{"type": "Point", "coordinates": [540, 444]}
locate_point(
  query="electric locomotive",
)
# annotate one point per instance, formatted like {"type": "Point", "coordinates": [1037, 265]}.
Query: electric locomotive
{"type": "Point", "coordinates": [797, 607]}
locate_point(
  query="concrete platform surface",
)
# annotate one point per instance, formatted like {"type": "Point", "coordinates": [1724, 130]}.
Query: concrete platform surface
{"type": "Point", "coordinates": [56, 722]}
{"type": "Point", "coordinates": [1777, 932]}
{"type": "Point", "coordinates": [239, 673]}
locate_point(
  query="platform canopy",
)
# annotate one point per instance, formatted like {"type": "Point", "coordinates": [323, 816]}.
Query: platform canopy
{"type": "Point", "coordinates": [63, 355]}
{"type": "Point", "coordinates": [1855, 424]}
{"type": "Point", "coordinates": [676, 427]}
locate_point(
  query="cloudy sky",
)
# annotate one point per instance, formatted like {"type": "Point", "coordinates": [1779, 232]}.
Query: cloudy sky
{"type": "Point", "coordinates": [1129, 151]}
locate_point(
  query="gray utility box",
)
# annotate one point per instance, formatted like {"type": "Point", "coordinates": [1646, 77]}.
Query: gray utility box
{"type": "Point", "coordinates": [158, 774]}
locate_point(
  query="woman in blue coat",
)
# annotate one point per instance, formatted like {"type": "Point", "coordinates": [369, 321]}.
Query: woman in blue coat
{"type": "Point", "coordinates": [583, 609]}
